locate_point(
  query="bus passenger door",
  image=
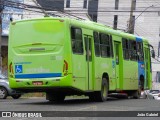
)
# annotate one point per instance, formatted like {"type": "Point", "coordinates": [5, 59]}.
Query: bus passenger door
{"type": "Point", "coordinates": [147, 72]}
{"type": "Point", "coordinates": [117, 61]}
{"type": "Point", "coordinates": [88, 49]}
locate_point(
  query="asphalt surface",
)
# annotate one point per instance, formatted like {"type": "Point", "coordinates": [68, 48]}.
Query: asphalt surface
{"type": "Point", "coordinates": [41, 104]}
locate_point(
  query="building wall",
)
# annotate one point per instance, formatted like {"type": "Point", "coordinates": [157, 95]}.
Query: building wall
{"type": "Point", "coordinates": [31, 14]}
{"type": "Point", "coordinates": [76, 8]}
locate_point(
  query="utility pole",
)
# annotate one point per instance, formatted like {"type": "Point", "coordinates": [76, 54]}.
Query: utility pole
{"type": "Point", "coordinates": [1, 9]}
{"type": "Point", "coordinates": [131, 21]}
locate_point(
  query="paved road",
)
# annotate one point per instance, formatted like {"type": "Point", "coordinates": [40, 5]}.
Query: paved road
{"type": "Point", "coordinates": [40, 104]}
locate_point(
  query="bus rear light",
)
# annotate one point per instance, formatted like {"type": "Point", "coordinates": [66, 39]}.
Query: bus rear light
{"type": "Point", "coordinates": [65, 68]}
{"type": "Point", "coordinates": [11, 68]}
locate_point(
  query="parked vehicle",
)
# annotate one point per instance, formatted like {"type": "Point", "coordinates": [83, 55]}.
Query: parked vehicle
{"type": "Point", "coordinates": [151, 94]}
{"type": "Point", "coordinates": [5, 90]}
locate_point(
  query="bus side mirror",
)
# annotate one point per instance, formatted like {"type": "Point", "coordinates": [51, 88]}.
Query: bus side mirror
{"type": "Point", "coordinates": [153, 53]}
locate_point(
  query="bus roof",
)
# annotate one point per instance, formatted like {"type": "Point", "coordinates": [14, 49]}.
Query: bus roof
{"type": "Point", "coordinates": [89, 25]}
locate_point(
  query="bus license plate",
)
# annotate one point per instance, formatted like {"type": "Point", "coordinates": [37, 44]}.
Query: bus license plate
{"type": "Point", "coordinates": [37, 83]}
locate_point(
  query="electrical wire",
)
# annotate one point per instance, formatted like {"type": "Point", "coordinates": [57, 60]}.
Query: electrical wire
{"type": "Point", "coordinates": [28, 7]}
{"type": "Point", "coordinates": [140, 15]}
{"type": "Point", "coordinates": [64, 11]}
{"type": "Point", "coordinates": [40, 8]}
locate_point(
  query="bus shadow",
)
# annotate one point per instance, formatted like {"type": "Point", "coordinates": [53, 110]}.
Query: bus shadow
{"type": "Point", "coordinates": [73, 102]}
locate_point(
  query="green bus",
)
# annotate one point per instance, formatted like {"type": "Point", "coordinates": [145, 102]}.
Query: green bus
{"type": "Point", "coordinates": [64, 56]}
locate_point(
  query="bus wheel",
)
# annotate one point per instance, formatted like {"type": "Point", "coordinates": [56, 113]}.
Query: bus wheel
{"type": "Point", "coordinates": [16, 96]}
{"type": "Point", "coordinates": [137, 94]}
{"type": "Point", "coordinates": [92, 97]}
{"type": "Point", "coordinates": [102, 95]}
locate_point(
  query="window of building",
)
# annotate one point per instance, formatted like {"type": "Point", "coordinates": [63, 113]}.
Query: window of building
{"type": "Point", "coordinates": [132, 50]}
{"type": "Point", "coordinates": [85, 4]}
{"type": "Point", "coordinates": [115, 22]}
{"type": "Point", "coordinates": [140, 51]}
{"type": "Point", "coordinates": [93, 17]}
{"type": "Point", "coordinates": [77, 42]}
{"type": "Point", "coordinates": [158, 77]}
{"type": "Point", "coordinates": [68, 4]}
{"type": "Point", "coordinates": [159, 49]}
{"type": "Point", "coordinates": [125, 48]}
{"type": "Point", "coordinates": [93, 9]}
{"type": "Point", "coordinates": [116, 4]}
{"type": "Point", "coordinates": [105, 45]}
{"type": "Point", "coordinates": [96, 44]}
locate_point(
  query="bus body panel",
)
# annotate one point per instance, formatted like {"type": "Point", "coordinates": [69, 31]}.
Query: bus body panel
{"type": "Point", "coordinates": [37, 54]}
{"type": "Point", "coordinates": [130, 74]}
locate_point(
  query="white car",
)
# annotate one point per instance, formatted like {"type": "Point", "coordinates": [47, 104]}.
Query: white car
{"type": "Point", "coordinates": [151, 94]}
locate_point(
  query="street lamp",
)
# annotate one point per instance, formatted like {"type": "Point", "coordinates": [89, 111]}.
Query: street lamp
{"type": "Point", "coordinates": [131, 26]}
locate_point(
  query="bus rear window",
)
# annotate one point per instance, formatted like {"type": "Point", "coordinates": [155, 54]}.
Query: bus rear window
{"type": "Point", "coordinates": [77, 42]}
{"type": "Point", "coordinates": [37, 31]}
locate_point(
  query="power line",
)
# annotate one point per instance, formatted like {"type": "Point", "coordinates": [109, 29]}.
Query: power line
{"type": "Point", "coordinates": [25, 6]}
{"type": "Point", "coordinates": [139, 16]}
{"type": "Point", "coordinates": [64, 11]}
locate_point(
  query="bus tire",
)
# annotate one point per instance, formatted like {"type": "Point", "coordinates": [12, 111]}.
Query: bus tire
{"type": "Point", "coordinates": [137, 94]}
{"type": "Point", "coordinates": [101, 96]}
{"type": "Point", "coordinates": [91, 97]}
{"type": "Point", "coordinates": [16, 96]}
{"type": "Point", "coordinates": [141, 82]}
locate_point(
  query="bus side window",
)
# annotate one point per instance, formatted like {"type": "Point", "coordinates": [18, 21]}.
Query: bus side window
{"type": "Point", "coordinates": [96, 44]}
{"type": "Point", "coordinates": [125, 48]}
{"type": "Point", "coordinates": [140, 51]}
{"type": "Point", "coordinates": [105, 46]}
{"type": "Point", "coordinates": [111, 46]}
{"type": "Point", "coordinates": [132, 50]}
{"type": "Point", "coordinates": [77, 42]}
